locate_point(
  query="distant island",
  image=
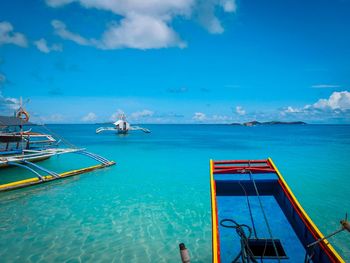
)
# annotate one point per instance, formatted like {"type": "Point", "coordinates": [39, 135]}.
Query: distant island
{"type": "Point", "coordinates": [256, 123]}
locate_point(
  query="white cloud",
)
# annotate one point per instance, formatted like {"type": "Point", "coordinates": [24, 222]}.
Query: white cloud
{"type": "Point", "coordinates": [7, 104]}
{"type": "Point", "coordinates": [135, 31]}
{"type": "Point", "coordinates": [145, 24]}
{"type": "Point", "coordinates": [142, 114]}
{"type": "Point", "coordinates": [140, 32]}
{"type": "Point", "coordinates": [8, 36]}
{"type": "Point", "coordinates": [229, 6]}
{"type": "Point", "coordinates": [215, 118]}
{"type": "Point", "coordinates": [159, 8]}
{"type": "Point", "coordinates": [54, 118]}
{"type": "Point", "coordinates": [240, 110]}
{"type": "Point", "coordinates": [205, 12]}
{"type": "Point", "coordinates": [337, 101]}
{"type": "Point", "coordinates": [221, 118]}
{"type": "Point", "coordinates": [325, 86]}
{"type": "Point", "coordinates": [199, 116]}
{"type": "Point", "coordinates": [290, 109]}
{"type": "Point", "coordinates": [60, 30]}
{"type": "Point", "coordinates": [336, 107]}
{"type": "Point", "coordinates": [57, 3]}
{"type": "Point", "coordinates": [41, 45]}
{"type": "Point", "coordinates": [90, 117]}
{"type": "Point", "coordinates": [207, 18]}
{"type": "Point", "coordinates": [214, 26]}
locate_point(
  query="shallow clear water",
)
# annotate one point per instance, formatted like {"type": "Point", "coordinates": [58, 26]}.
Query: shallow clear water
{"type": "Point", "coordinates": [158, 193]}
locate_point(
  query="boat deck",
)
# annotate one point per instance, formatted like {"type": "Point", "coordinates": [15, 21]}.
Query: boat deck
{"type": "Point", "coordinates": [232, 204]}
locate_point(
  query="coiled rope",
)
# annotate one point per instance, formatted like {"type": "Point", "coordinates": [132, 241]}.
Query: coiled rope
{"type": "Point", "coordinates": [244, 240]}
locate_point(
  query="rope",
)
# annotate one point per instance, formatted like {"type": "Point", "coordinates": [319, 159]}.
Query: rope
{"type": "Point", "coordinates": [251, 217]}
{"type": "Point", "coordinates": [61, 138]}
{"type": "Point", "coordinates": [250, 210]}
{"type": "Point", "coordinates": [244, 240]}
{"type": "Point", "coordinates": [265, 218]}
{"type": "Point", "coordinates": [263, 254]}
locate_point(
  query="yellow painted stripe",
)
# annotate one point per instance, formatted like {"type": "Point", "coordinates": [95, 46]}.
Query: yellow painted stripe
{"type": "Point", "coordinates": [213, 215]}
{"type": "Point", "coordinates": [296, 202]}
{"type": "Point", "coordinates": [48, 178]}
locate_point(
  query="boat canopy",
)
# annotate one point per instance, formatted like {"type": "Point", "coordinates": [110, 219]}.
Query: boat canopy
{"type": "Point", "coordinates": [6, 121]}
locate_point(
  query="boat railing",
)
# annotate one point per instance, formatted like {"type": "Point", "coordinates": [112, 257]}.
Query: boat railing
{"type": "Point", "coordinates": [138, 128]}
{"type": "Point", "coordinates": [31, 137]}
{"type": "Point", "coordinates": [94, 156]}
{"type": "Point", "coordinates": [242, 167]}
{"type": "Point", "coordinates": [54, 150]}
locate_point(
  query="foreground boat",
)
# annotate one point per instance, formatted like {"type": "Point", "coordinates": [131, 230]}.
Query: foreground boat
{"type": "Point", "coordinates": [256, 217]}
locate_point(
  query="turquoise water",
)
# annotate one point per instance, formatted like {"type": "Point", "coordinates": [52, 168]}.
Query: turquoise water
{"type": "Point", "coordinates": [158, 193]}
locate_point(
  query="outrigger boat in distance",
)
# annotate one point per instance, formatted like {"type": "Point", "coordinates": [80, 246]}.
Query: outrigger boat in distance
{"type": "Point", "coordinates": [257, 218]}
{"type": "Point", "coordinates": [22, 149]}
{"type": "Point", "coordinates": [121, 126]}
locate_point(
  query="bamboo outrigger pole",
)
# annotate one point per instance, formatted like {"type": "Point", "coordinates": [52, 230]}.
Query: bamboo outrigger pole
{"type": "Point", "coordinates": [49, 178]}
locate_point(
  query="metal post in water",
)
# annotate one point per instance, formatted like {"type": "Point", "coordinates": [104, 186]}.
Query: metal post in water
{"type": "Point", "coordinates": [184, 253]}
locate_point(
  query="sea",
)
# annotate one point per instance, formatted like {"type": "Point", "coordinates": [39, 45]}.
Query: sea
{"type": "Point", "coordinates": [157, 195]}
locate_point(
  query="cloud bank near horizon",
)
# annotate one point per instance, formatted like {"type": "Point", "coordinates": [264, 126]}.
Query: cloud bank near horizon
{"type": "Point", "coordinates": [334, 109]}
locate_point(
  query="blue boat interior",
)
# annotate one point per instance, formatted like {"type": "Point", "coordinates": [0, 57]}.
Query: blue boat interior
{"type": "Point", "coordinates": [237, 200]}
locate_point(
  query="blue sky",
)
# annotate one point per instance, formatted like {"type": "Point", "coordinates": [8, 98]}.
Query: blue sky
{"type": "Point", "coordinates": [176, 61]}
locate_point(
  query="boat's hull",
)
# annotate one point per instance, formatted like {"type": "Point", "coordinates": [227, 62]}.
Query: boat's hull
{"type": "Point", "coordinates": [33, 160]}
{"type": "Point", "coordinates": [7, 138]}
{"type": "Point", "coordinates": [248, 195]}
{"type": "Point", "coordinates": [122, 131]}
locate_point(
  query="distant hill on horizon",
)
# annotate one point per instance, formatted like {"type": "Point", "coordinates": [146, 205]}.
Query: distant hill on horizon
{"type": "Point", "coordinates": [256, 123]}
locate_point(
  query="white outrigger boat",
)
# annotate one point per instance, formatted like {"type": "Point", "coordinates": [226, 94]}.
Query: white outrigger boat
{"type": "Point", "coordinates": [23, 149]}
{"type": "Point", "coordinates": [121, 126]}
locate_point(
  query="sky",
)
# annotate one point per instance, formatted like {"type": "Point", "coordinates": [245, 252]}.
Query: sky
{"type": "Point", "coordinates": [176, 61]}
